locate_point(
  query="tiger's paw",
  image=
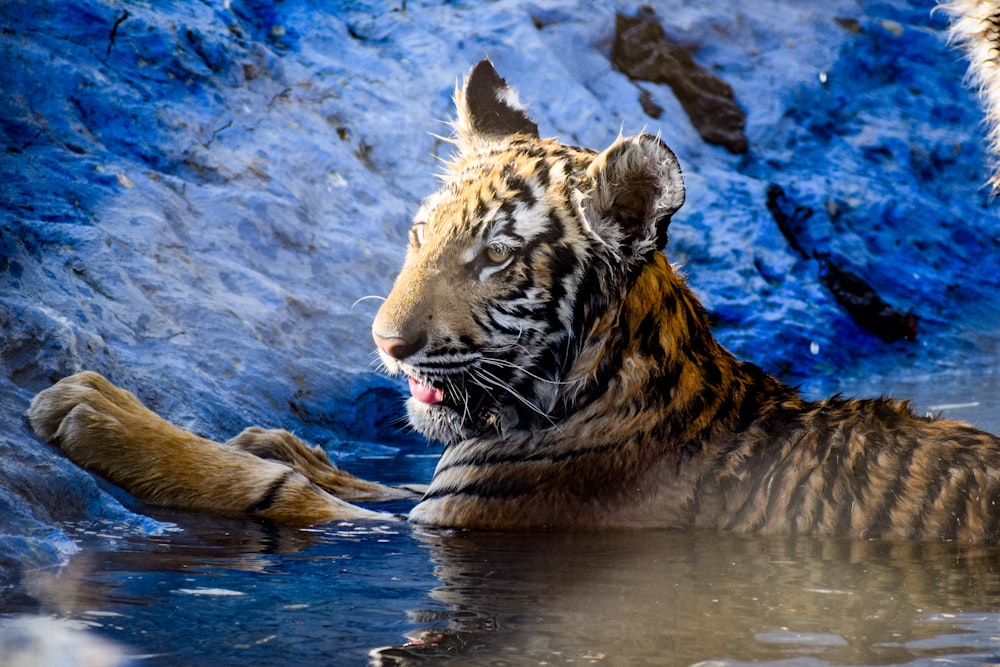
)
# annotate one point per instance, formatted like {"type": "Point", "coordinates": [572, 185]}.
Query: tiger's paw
{"type": "Point", "coordinates": [81, 406]}
{"type": "Point", "coordinates": [268, 474]}
{"type": "Point", "coordinates": [282, 446]}
{"type": "Point", "coordinates": [105, 429]}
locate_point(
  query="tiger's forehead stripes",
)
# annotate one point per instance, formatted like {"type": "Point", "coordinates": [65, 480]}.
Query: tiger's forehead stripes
{"type": "Point", "coordinates": [508, 194]}
{"type": "Point", "coordinates": [534, 168]}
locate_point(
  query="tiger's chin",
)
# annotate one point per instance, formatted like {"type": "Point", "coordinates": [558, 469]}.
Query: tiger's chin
{"type": "Point", "coordinates": [440, 415]}
{"type": "Point", "coordinates": [438, 421]}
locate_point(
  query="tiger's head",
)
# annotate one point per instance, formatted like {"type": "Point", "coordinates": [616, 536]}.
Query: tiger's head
{"type": "Point", "coordinates": [527, 243]}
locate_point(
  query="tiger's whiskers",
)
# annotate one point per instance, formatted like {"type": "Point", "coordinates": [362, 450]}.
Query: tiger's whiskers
{"type": "Point", "coordinates": [483, 377]}
{"type": "Point", "coordinates": [365, 298]}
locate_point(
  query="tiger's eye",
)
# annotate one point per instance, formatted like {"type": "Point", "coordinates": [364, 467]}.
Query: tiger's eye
{"type": "Point", "coordinates": [498, 253]}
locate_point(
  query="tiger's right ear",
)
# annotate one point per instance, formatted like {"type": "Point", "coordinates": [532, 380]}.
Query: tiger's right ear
{"type": "Point", "coordinates": [637, 188]}
{"type": "Point", "coordinates": [488, 110]}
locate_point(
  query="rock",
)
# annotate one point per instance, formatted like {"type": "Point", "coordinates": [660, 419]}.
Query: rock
{"type": "Point", "coordinates": [643, 51]}
{"type": "Point", "coordinates": [861, 301]}
{"type": "Point", "coordinates": [866, 306]}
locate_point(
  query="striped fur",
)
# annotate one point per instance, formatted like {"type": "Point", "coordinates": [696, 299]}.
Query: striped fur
{"type": "Point", "coordinates": [572, 376]}
{"type": "Point", "coordinates": [611, 404]}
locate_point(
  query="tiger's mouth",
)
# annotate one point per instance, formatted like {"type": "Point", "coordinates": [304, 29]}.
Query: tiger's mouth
{"type": "Point", "coordinates": [435, 410]}
{"type": "Point", "coordinates": [424, 393]}
{"type": "Point", "coordinates": [454, 394]}
{"type": "Point", "coordinates": [453, 408]}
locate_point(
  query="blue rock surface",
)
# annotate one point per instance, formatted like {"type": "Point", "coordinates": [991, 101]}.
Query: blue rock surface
{"type": "Point", "coordinates": [198, 198]}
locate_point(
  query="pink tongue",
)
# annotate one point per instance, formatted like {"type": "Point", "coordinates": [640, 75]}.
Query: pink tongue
{"type": "Point", "coordinates": [425, 394]}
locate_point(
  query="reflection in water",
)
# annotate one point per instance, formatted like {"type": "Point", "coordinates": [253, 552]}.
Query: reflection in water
{"type": "Point", "coordinates": [680, 598]}
{"type": "Point", "coordinates": [224, 592]}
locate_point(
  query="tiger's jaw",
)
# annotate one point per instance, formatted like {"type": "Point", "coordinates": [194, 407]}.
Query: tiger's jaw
{"type": "Point", "coordinates": [450, 406]}
{"type": "Point", "coordinates": [440, 414]}
{"type": "Point", "coordinates": [436, 421]}
{"type": "Point", "coordinates": [429, 415]}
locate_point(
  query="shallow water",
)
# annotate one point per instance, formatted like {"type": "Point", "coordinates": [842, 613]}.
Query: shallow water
{"type": "Point", "coordinates": [214, 592]}
{"type": "Point", "coordinates": [221, 593]}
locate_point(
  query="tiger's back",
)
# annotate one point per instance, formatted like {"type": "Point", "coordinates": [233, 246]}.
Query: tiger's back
{"type": "Point", "coordinates": [863, 468]}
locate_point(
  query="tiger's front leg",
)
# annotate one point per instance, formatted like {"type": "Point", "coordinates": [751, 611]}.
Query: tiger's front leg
{"type": "Point", "coordinates": [284, 447]}
{"type": "Point", "coordinates": [108, 431]}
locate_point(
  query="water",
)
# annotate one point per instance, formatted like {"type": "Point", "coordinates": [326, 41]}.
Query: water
{"type": "Point", "coordinates": [222, 594]}
{"type": "Point", "coordinates": [218, 592]}
{"type": "Point", "coordinates": [681, 598]}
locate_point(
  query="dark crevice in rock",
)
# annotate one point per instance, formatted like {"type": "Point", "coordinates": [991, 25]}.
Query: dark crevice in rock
{"type": "Point", "coordinates": [114, 31]}
{"type": "Point", "coordinates": [865, 305]}
{"type": "Point", "coordinates": [854, 294]}
{"type": "Point", "coordinates": [643, 52]}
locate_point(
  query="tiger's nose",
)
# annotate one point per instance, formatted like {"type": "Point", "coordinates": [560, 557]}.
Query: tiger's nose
{"type": "Point", "coordinates": [398, 347]}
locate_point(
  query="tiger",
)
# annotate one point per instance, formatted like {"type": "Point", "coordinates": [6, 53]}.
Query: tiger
{"type": "Point", "coordinates": [975, 27]}
{"type": "Point", "coordinates": [572, 377]}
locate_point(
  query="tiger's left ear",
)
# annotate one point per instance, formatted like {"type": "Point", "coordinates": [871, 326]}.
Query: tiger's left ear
{"type": "Point", "coordinates": [488, 110]}
{"type": "Point", "coordinates": [638, 188]}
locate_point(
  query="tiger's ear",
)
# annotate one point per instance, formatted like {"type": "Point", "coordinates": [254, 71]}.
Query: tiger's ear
{"type": "Point", "coordinates": [638, 187]}
{"type": "Point", "coordinates": [488, 109]}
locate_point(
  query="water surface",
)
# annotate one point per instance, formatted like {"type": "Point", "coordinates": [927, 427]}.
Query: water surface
{"type": "Point", "coordinates": [218, 592]}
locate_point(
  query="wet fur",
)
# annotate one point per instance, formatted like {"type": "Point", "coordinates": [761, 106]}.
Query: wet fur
{"type": "Point", "coordinates": [608, 404]}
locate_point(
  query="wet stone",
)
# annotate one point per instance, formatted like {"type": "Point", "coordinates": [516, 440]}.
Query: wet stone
{"type": "Point", "coordinates": [643, 52]}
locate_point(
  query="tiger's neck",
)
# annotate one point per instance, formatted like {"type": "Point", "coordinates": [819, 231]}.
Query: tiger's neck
{"type": "Point", "coordinates": [650, 399]}
{"type": "Point", "coordinates": [656, 355]}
